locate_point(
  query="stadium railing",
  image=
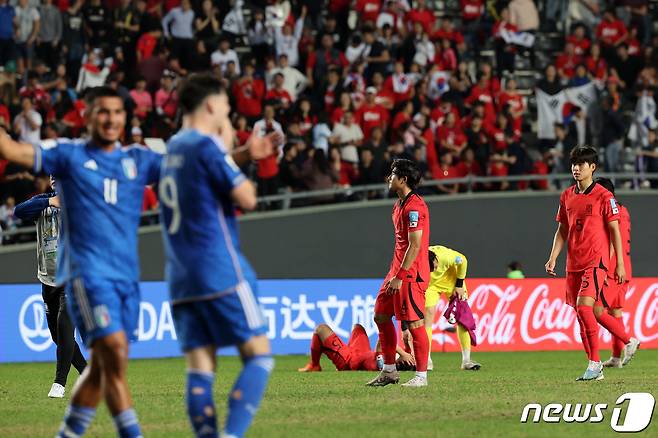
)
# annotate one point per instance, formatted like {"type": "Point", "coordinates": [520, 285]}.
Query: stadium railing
{"type": "Point", "coordinates": [469, 184]}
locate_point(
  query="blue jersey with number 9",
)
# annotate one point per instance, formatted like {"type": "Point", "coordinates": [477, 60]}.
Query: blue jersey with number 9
{"type": "Point", "coordinates": [101, 197]}
{"type": "Point", "coordinates": [198, 218]}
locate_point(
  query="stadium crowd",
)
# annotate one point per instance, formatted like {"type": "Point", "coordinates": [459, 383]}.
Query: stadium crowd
{"type": "Point", "coordinates": [350, 85]}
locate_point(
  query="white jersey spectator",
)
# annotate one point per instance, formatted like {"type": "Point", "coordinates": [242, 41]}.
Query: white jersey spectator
{"type": "Point", "coordinates": [28, 123]}
{"type": "Point", "coordinates": [294, 82]}
{"type": "Point", "coordinates": [286, 41]}
{"type": "Point", "coordinates": [223, 55]}
{"type": "Point", "coordinates": [27, 18]}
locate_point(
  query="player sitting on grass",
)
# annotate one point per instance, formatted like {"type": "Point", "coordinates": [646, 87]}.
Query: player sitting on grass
{"type": "Point", "coordinates": [356, 355]}
{"type": "Point", "coordinates": [448, 274]}
{"type": "Point", "coordinates": [613, 295]}
{"type": "Point", "coordinates": [588, 220]}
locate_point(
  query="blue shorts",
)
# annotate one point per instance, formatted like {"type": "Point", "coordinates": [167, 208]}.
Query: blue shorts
{"type": "Point", "coordinates": [230, 319]}
{"type": "Point", "coordinates": [100, 307]}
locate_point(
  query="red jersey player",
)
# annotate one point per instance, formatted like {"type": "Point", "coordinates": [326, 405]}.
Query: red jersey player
{"type": "Point", "coordinates": [403, 291]}
{"type": "Point", "coordinates": [588, 216]}
{"type": "Point", "coordinates": [356, 355]}
{"type": "Point", "coordinates": [613, 295]}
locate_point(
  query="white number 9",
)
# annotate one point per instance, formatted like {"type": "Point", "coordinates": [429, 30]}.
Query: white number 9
{"type": "Point", "coordinates": [169, 197]}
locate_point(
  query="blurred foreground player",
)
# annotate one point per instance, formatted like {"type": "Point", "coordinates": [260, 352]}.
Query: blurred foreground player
{"type": "Point", "coordinates": [608, 309]}
{"type": "Point", "coordinates": [44, 209]}
{"type": "Point", "coordinates": [356, 355]}
{"type": "Point", "coordinates": [211, 284]}
{"type": "Point", "coordinates": [101, 186]}
{"type": "Point", "coordinates": [403, 291]}
{"type": "Point", "coordinates": [449, 269]}
{"type": "Point", "coordinates": [588, 218]}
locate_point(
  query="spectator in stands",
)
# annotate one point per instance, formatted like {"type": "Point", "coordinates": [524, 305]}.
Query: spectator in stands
{"type": "Point", "coordinates": [649, 156]}
{"type": "Point", "coordinates": [278, 97]}
{"type": "Point", "coordinates": [348, 136]}
{"type": "Point", "coordinates": [371, 114]}
{"type": "Point", "coordinates": [567, 61]}
{"type": "Point", "coordinates": [223, 55]}
{"type": "Point", "coordinates": [322, 60]}
{"type": "Point", "coordinates": [511, 103]}
{"type": "Point", "coordinates": [8, 221]}
{"type": "Point", "coordinates": [626, 67]}
{"type": "Point", "coordinates": [249, 92]}
{"type": "Point", "coordinates": [345, 165]}
{"type": "Point", "coordinates": [178, 26]}
{"type": "Point", "coordinates": [612, 134]}
{"type": "Point", "coordinates": [580, 77]}
{"type": "Point", "coordinates": [472, 14]}
{"type": "Point", "coordinates": [611, 32]}
{"type": "Point", "coordinates": [468, 165]}
{"type": "Point", "coordinates": [523, 14]}
{"type": "Point", "coordinates": [27, 124]}
{"type": "Point", "coordinates": [96, 22]}
{"type": "Point", "coordinates": [368, 11]}
{"type": "Point", "coordinates": [294, 82]}
{"type": "Point", "coordinates": [207, 26]}
{"type": "Point", "coordinates": [268, 168]}
{"type": "Point", "coordinates": [143, 100]}
{"type": "Point", "coordinates": [550, 84]}
{"type": "Point", "coordinates": [73, 37]}
{"type": "Point", "coordinates": [392, 16]}
{"type": "Point", "coordinates": [579, 40]}
{"type": "Point", "coordinates": [7, 27]}
{"type": "Point", "coordinates": [50, 32]}
{"type": "Point", "coordinates": [450, 136]}
{"type": "Point", "coordinates": [318, 174]}
{"type": "Point", "coordinates": [478, 142]}
{"type": "Point", "coordinates": [28, 24]}
{"type": "Point", "coordinates": [422, 15]}
{"type": "Point", "coordinates": [259, 37]}
{"type": "Point", "coordinates": [286, 40]}
{"type": "Point", "coordinates": [446, 170]}
{"type": "Point", "coordinates": [321, 133]}
{"type": "Point", "coordinates": [94, 71]}
{"type": "Point", "coordinates": [505, 52]}
{"type": "Point", "coordinates": [596, 65]}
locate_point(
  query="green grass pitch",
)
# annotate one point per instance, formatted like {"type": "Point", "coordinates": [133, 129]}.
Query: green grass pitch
{"type": "Point", "coordinates": [337, 404]}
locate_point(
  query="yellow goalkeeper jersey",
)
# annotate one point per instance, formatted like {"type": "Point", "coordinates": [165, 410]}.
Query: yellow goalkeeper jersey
{"type": "Point", "coordinates": [451, 266]}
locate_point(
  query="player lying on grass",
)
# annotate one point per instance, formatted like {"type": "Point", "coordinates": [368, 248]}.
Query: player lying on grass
{"type": "Point", "coordinates": [448, 273]}
{"type": "Point", "coordinates": [356, 355]}
{"type": "Point", "coordinates": [608, 309]}
{"type": "Point", "coordinates": [588, 221]}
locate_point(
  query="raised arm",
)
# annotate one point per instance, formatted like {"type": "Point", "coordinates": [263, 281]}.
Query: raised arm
{"type": "Point", "coordinates": [15, 152]}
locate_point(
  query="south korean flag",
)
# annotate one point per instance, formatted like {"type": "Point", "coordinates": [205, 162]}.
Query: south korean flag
{"type": "Point", "coordinates": [413, 219]}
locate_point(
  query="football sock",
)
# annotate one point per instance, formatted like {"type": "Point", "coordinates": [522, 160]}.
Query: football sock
{"type": "Point", "coordinates": [421, 374]}
{"type": "Point", "coordinates": [421, 347]}
{"type": "Point", "coordinates": [617, 344]}
{"type": "Point", "coordinates": [76, 421]}
{"type": "Point", "coordinates": [465, 342]}
{"type": "Point", "coordinates": [388, 339]}
{"type": "Point", "coordinates": [127, 424]}
{"type": "Point", "coordinates": [200, 404]}
{"type": "Point", "coordinates": [316, 349]}
{"type": "Point", "coordinates": [583, 337]}
{"type": "Point", "coordinates": [591, 331]}
{"type": "Point", "coordinates": [614, 327]}
{"type": "Point", "coordinates": [247, 393]}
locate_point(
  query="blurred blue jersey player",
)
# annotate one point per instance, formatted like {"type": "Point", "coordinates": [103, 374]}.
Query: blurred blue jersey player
{"type": "Point", "coordinates": [212, 286]}
{"type": "Point", "coordinates": [101, 187]}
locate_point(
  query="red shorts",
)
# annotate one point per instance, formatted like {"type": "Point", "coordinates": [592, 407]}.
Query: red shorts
{"type": "Point", "coordinates": [613, 296]}
{"type": "Point", "coordinates": [348, 356]}
{"type": "Point", "coordinates": [407, 304]}
{"type": "Point", "coordinates": [587, 283]}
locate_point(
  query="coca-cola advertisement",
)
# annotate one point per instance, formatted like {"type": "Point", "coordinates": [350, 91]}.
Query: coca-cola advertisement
{"type": "Point", "coordinates": [531, 314]}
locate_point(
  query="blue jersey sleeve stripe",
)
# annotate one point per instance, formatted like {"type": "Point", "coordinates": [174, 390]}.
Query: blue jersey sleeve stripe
{"type": "Point", "coordinates": [239, 179]}
{"type": "Point", "coordinates": [37, 159]}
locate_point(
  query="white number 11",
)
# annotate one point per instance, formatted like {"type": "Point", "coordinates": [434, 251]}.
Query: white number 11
{"type": "Point", "coordinates": [110, 187]}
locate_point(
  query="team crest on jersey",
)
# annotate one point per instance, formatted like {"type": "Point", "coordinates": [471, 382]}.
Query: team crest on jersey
{"type": "Point", "coordinates": [588, 210]}
{"type": "Point", "coordinates": [129, 168]}
{"type": "Point", "coordinates": [102, 316]}
{"type": "Point", "coordinates": [615, 207]}
{"type": "Point", "coordinates": [413, 219]}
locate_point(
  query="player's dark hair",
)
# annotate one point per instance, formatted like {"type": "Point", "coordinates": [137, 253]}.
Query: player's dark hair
{"type": "Point", "coordinates": [584, 154]}
{"type": "Point", "coordinates": [607, 184]}
{"type": "Point", "coordinates": [91, 94]}
{"type": "Point", "coordinates": [432, 258]}
{"type": "Point", "coordinates": [406, 169]}
{"type": "Point", "coordinates": [195, 89]}
{"type": "Point", "coordinates": [514, 266]}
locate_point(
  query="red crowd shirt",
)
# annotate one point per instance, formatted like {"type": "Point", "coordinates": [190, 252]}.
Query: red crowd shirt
{"type": "Point", "coordinates": [369, 116]}
{"type": "Point", "coordinates": [586, 216]}
{"type": "Point", "coordinates": [597, 67]}
{"type": "Point", "coordinates": [567, 64]}
{"type": "Point", "coordinates": [368, 9]}
{"type": "Point", "coordinates": [449, 173]}
{"type": "Point", "coordinates": [515, 102]}
{"type": "Point", "coordinates": [410, 215]}
{"type": "Point", "coordinates": [281, 95]}
{"type": "Point", "coordinates": [424, 17]}
{"type": "Point", "coordinates": [146, 44]}
{"type": "Point", "coordinates": [472, 9]}
{"type": "Point", "coordinates": [249, 97]}
{"type": "Point", "coordinates": [609, 33]}
{"type": "Point", "coordinates": [484, 96]}
{"type": "Point", "coordinates": [625, 230]}
{"type": "Point", "coordinates": [150, 200]}
{"type": "Point", "coordinates": [400, 86]}
{"type": "Point", "coordinates": [581, 46]}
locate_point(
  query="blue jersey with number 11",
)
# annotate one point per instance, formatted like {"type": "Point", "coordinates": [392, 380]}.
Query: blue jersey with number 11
{"type": "Point", "coordinates": [198, 218]}
{"type": "Point", "coordinates": [101, 197]}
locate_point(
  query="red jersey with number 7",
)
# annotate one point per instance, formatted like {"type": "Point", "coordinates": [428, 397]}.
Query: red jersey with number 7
{"type": "Point", "coordinates": [409, 215]}
{"type": "Point", "coordinates": [586, 216]}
